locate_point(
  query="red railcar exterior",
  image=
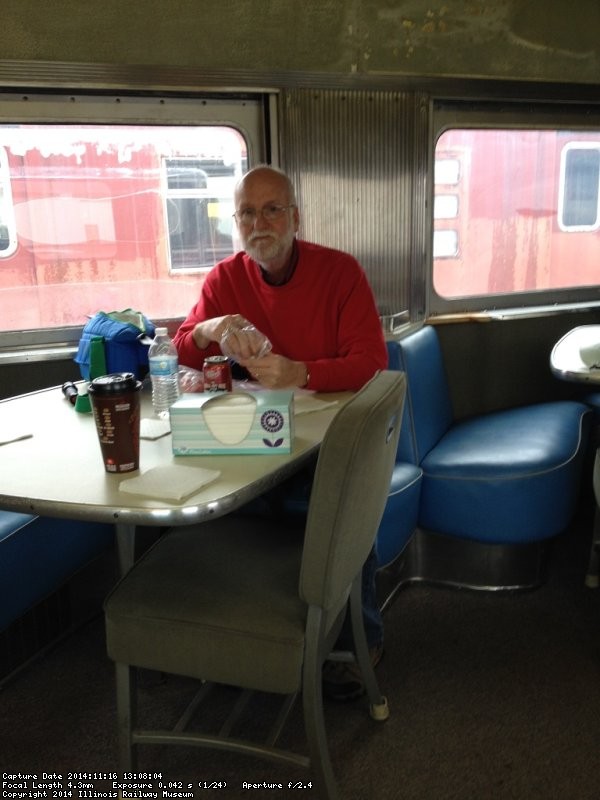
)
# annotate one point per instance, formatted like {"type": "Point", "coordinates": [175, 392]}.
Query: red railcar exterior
{"type": "Point", "coordinates": [510, 189]}
{"type": "Point", "coordinates": [84, 227]}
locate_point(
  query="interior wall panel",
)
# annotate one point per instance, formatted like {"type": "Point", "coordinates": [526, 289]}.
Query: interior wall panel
{"type": "Point", "coordinates": [358, 160]}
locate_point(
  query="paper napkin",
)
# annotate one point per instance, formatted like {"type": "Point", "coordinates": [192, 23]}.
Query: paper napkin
{"type": "Point", "coordinates": [154, 428]}
{"type": "Point", "coordinates": [169, 482]}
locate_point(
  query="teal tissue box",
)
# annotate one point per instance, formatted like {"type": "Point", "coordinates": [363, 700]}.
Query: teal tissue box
{"type": "Point", "coordinates": [233, 422]}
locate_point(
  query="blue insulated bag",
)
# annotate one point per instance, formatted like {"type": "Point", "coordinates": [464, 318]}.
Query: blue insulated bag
{"type": "Point", "coordinates": [123, 338]}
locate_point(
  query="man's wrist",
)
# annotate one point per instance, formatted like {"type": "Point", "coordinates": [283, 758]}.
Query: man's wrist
{"type": "Point", "coordinates": [200, 340]}
{"type": "Point", "coordinates": [306, 376]}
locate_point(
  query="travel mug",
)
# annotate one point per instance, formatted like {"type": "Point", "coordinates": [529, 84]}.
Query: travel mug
{"type": "Point", "coordinates": [116, 406]}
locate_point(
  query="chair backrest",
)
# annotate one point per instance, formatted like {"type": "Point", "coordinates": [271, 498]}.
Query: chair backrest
{"type": "Point", "coordinates": [350, 489]}
{"type": "Point", "coordinates": [428, 412]}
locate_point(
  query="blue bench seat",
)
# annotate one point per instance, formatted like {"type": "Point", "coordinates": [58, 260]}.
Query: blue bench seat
{"type": "Point", "coordinates": [506, 477]}
{"type": "Point", "coordinates": [401, 513]}
{"type": "Point", "coordinates": [38, 554]}
{"type": "Point", "coordinates": [494, 486]}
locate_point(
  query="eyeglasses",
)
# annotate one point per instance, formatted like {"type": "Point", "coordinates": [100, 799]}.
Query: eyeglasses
{"type": "Point", "coordinates": [270, 212]}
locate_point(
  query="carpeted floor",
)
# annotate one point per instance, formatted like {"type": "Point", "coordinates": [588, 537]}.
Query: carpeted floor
{"type": "Point", "coordinates": [493, 697]}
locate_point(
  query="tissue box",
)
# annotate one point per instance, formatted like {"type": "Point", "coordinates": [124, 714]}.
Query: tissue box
{"type": "Point", "coordinates": [233, 422]}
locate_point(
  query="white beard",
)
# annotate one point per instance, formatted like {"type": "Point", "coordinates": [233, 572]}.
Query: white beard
{"type": "Point", "coordinates": [263, 249]}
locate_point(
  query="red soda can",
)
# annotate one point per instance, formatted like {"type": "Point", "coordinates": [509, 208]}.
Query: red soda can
{"type": "Point", "coordinates": [217, 374]}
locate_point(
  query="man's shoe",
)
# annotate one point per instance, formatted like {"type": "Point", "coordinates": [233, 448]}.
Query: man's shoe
{"type": "Point", "coordinates": [343, 681]}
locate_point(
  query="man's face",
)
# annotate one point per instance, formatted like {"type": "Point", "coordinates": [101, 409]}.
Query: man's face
{"type": "Point", "coordinates": [267, 241]}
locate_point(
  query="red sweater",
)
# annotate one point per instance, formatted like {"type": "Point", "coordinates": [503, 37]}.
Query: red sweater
{"type": "Point", "coordinates": [324, 316]}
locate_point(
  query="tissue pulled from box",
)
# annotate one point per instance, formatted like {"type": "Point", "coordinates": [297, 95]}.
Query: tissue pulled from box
{"type": "Point", "coordinates": [229, 418]}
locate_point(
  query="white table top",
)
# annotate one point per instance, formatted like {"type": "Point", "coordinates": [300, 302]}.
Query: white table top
{"type": "Point", "coordinates": [58, 471]}
{"type": "Point", "coordinates": [566, 361]}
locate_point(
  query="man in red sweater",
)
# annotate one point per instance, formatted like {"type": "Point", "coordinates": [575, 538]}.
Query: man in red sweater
{"type": "Point", "coordinates": [316, 309]}
{"type": "Point", "coordinates": [313, 304]}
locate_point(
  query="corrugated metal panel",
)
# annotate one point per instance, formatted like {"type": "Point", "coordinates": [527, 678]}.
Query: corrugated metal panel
{"type": "Point", "coordinates": [358, 160]}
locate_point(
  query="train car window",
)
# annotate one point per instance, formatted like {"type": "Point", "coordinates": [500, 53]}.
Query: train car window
{"type": "Point", "coordinates": [112, 217]}
{"type": "Point", "coordinates": [445, 244]}
{"type": "Point", "coordinates": [199, 210]}
{"type": "Point", "coordinates": [579, 195]}
{"type": "Point", "coordinates": [516, 215]}
{"type": "Point", "coordinates": [8, 235]}
{"type": "Point", "coordinates": [109, 203]}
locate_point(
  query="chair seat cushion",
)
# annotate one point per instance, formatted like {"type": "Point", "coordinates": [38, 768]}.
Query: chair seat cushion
{"type": "Point", "coordinates": [172, 588]}
{"type": "Point", "coordinates": [507, 476]}
{"type": "Point", "coordinates": [401, 512]}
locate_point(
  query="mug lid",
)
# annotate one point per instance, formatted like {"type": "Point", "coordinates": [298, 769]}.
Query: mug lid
{"type": "Point", "coordinates": [115, 383]}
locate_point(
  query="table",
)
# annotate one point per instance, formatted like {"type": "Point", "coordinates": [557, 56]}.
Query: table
{"type": "Point", "coordinates": [58, 471]}
{"type": "Point", "coordinates": [565, 360]}
{"type": "Point", "coordinates": [566, 363]}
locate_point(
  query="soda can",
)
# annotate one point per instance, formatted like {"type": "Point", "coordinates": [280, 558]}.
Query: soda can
{"type": "Point", "coordinates": [217, 374]}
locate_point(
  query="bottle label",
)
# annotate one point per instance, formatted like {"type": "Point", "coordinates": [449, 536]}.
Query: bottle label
{"type": "Point", "coordinates": [163, 365]}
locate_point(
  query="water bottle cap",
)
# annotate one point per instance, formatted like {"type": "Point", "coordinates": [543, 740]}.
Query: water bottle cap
{"type": "Point", "coordinates": [161, 331]}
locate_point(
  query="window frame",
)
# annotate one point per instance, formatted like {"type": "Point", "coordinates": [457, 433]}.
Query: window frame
{"type": "Point", "coordinates": [450, 114]}
{"type": "Point", "coordinates": [249, 112]}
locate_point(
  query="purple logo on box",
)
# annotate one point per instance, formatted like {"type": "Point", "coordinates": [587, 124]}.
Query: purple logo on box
{"type": "Point", "coordinates": [272, 421]}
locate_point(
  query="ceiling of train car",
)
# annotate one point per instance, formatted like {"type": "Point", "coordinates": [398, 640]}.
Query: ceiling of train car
{"type": "Point", "coordinates": [498, 39]}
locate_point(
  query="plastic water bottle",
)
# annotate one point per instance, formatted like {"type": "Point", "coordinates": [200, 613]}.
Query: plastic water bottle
{"type": "Point", "coordinates": [164, 372]}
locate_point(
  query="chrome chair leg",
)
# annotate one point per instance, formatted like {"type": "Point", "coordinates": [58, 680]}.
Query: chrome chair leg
{"type": "Point", "coordinates": [379, 709]}
{"type": "Point", "coordinates": [314, 722]}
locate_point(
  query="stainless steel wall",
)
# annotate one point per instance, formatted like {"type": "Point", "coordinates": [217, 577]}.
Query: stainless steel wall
{"type": "Point", "coordinates": [359, 162]}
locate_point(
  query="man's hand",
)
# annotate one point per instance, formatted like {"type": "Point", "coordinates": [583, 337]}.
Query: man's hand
{"type": "Point", "coordinates": [243, 343]}
{"type": "Point", "coordinates": [276, 372]}
{"type": "Point", "coordinates": [213, 330]}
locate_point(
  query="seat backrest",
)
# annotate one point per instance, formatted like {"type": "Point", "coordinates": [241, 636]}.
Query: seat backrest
{"type": "Point", "coordinates": [350, 489]}
{"type": "Point", "coordinates": [428, 413]}
{"type": "Point", "coordinates": [406, 450]}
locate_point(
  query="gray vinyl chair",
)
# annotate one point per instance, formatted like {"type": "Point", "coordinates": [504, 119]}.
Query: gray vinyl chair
{"type": "Point", "coordinates": [257, 603]}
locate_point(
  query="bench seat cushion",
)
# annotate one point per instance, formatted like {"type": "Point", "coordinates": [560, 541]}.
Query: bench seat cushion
{"type": "Point", "coordinates": [401, 512]}
{"type": "Point", "coordinates": [38, 554]}
{"type": "Point", "coordinates": [506, 477]}
{"type": "Point", "coordinates": [11, 522]}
